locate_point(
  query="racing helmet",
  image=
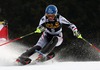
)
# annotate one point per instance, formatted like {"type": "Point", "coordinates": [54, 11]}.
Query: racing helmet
{"type": "Point", "coordinates": [51, 9]}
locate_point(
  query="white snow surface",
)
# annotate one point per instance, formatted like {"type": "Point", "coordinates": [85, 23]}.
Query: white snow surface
{"type": "Point", "coordinates": [11, 51]}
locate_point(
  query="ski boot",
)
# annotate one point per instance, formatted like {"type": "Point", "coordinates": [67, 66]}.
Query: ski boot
{"type": "Point", "coordinates": [50, 56]}
{"type": "Point", "coordinates": [23, 60]}
{"type": "Point", "coordinates": [42, 58]}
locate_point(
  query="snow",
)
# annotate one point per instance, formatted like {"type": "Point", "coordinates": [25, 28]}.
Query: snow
{"type": "Point", "coordinates": [58, 66]}
{"type": "Point", "coordinates": [9, 53]}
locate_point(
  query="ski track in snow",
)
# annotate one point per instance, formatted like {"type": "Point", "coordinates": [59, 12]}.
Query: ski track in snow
{"type": "Point", "coordinates": [10, 52]}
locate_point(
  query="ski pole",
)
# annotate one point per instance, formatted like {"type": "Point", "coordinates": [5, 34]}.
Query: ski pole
{"type": "Point", "coordinates": [89, 43]}
{"type": "Point", "coordinates": [17, 38]}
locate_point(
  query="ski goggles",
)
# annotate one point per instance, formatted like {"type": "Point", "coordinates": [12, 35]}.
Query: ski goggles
{"type": "Point", "coordinates": [50, 15]}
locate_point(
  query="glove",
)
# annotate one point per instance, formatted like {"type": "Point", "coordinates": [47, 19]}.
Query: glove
{"type": "Point", "coordinates": [38, 30]}
{"type": "Point", "coordinates": [77, 34]}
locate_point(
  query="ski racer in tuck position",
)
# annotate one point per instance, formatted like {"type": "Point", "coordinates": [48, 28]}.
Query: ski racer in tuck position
{"type": "Point", "coordinates": [51, 26]}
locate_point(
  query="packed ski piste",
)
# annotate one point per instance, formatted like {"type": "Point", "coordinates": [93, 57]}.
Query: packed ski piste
{"type": "Point", "coordinates": [50, 26]}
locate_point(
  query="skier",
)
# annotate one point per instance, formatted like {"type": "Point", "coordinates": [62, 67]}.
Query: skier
{"type": "Point", "coordinates": [51, 26]}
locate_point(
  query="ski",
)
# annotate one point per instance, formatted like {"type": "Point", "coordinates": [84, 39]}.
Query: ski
{"type": "Point", "coordinates": [42, 57]}
{"type": "Point", "coordinates": [25, 61]}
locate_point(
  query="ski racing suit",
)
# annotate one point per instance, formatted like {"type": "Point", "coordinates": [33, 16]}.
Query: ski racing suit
{"type": "Point", "coordinates": [51, 29]}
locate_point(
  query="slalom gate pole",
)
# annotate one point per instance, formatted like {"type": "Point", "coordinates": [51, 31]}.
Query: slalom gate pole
{"type": "Point", "coordinates": [17, 39]}
{"type": "Point", "coordinates": [89, 43]}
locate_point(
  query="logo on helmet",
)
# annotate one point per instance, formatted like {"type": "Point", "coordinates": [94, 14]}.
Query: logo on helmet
{"type": "Point", "coordinates": [50, 11]}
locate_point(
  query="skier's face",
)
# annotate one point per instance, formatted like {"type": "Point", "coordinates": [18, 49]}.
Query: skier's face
{"type": "Point", "coordinates": [50, 17]}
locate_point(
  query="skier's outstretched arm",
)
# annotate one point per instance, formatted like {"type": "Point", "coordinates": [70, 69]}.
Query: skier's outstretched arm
{"type": "Point", "coordinates": [71, 26]}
